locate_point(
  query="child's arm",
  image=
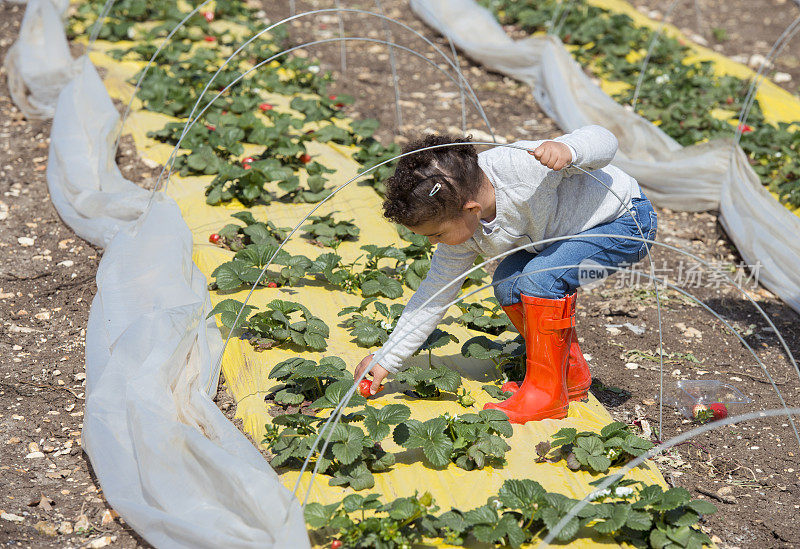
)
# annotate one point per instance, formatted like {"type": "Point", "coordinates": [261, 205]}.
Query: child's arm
{"type": "Point", "coordinates": [594, 147]}
{"type": "Point", "coordinates": [448, 263]}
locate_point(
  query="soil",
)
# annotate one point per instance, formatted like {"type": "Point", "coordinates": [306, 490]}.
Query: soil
{"type": "Point", "coordinates": [743, 31]}
{"type": "Point", "coordinates": [46, 289]}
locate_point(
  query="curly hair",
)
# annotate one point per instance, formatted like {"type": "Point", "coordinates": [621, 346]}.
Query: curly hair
{"type": "Point", "coordinates": [455, 168]}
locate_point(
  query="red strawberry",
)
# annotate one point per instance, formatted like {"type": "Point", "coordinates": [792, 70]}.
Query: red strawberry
{"type": "Point", "coordinates": [209, 38]}
{"type": "Point", "coordinates": [719, 410]}
{"type": "Point", "coordinates": [272, 285]}
{"type": "Point", "coordinates": [332, 97]}
{"type": "Point", "coordinates": [213, 238]}
{"type": "Point", "coordinates": [224, 112]}
{"type": "Point", "coordinates": [729, 100]}
{"type": "Point", "coordinates": [364, 387]}
{"type": "Point", "coordinates": [247, 166]}
{"type": "Point", "coordinates": [336, 544]}
{"type": "Point", "coordinates": [247, 160]}
{"type": "Point", "coordinates": [510, 387]}
{"type": "Point", "coordinates": [744, 128]}
{"type": "Point", "coordinates": [209, 15]}
{"type": "Point", "coordinates": [265, 107]}
{"type": "Point", "coordinates": [210, 128]}
{"type": "Point", "coordinates": [339, 105]}
{"type": "Point", "coordinates": [305, 158]}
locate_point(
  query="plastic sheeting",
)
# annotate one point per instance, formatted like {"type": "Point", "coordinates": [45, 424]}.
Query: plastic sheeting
{"type": "Point", "coordinates": [713, 175]}
{"type": "Point", "coordinates": [167, 459]}
{"type": "Point", "coordinates": [39, 63]}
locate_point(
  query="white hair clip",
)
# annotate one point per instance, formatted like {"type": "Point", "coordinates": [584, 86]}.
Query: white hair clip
{"type": "Point", "coordinates": [435, 189]}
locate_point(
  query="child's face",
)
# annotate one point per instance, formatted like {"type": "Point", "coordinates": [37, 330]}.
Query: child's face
{"type": "Point", "coordinates": [453, 231]}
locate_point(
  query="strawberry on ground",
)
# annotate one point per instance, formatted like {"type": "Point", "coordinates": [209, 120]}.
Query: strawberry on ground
{"type": "Point", "coordinates": [209, 38]}
{"type": "Point", "coordinates": [719, 410]}
{"type": "Point", "coordinates": [336, 544]}
{"type": "Point", "coordinates": [272, 285]}
{"type": "Point", "coordinates": [213, 238]}
{"type": "Point", "coordinates": [305, 158]}
{"type": "Point", "coordinates": [265, 107]}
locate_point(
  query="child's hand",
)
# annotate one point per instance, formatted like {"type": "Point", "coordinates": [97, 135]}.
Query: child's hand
{"type": "Point", "coordinates": [377, 372]}
{"type": "Point", "coordinates": [553, 154]}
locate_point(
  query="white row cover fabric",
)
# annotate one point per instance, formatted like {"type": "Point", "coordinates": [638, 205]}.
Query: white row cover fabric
{"type": "Point", "coordinates": [167, 459]}
{"type": "Point", "coordinates": [714, 175]}
{"type": "Point", "coordinates": [39, 63]}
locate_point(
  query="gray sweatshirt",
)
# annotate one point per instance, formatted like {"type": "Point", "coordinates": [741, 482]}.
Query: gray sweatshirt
{"type": "Point", "coordinates": [533, 203]}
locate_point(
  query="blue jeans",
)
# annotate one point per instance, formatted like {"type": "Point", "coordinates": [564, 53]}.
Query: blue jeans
{"type": "Point", "coordinates": [600, 251]}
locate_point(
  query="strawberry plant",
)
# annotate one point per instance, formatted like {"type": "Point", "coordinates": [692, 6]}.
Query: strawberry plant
{"type": "Point", "coordinates": [596, 452]}
{"type": "Point", "coordinates": [246, 266]}
{"type": "Point", "coordinates": [370, 329]}
{"type": "Point", "coordinates": [305, 380]}
{"type": "Point", "coordinates": [326, 231]}
{"type": "Point", "coordinates": [508, 357]}
{"type": "Point", "coordinates": [235, 237]}
{"type": "Point", "coordinates": [279, 324]}
{"type": "Point", "coordinates": [399, 524]}
{"type": "Point", "coordinates": [522, 512]}
{"type": "Point", "coordinates": [471, 441]}
{"type": "Point", "coordinates": [484, 318]}
{"type": "Point", "coordinates": [430, 382]}
{"type": "Point", "coordinates": [353, 455]}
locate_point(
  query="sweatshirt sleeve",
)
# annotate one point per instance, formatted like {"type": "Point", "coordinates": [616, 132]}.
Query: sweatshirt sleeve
{"type": "Point", "coordinates": [448, 263]}
{"type": "Point", "coordinates": [594, 147]}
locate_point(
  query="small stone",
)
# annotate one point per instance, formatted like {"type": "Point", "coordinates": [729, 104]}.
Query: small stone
{"type": "Point", "coordinates": [80, 376]}
{"type": "Point", "coordinates": [34, 455]}
{"type": "Point", "coordinates": [46, 528]}
{"type": "Point", "coordinates": [108, 517]}
{"type": "Point", "coordinates": [33, 447]}
{"type": "Point", "coordinates": [101, 542]}
{"type": "Point", "coordinates": [65, 528]}
{"type": "Point", "coordinates": [632, 366]}
{"type": "Point", "coordinates": [782, 77]}
{"type": "Point", "coordinates": [44, 315]}
{"type": "Point", "coordinates": [82, 524]}
{"type": "Point", "coordinates": [26, 241]}
{"type": "Point", "coordinates": [11, 517]}
{"type": "Point", "coordinates": [3, 210]}
{"type": "Point", "coordinates": [66, 263]}
{"type": "Point", "coordinates": [649, 402]}
{"type": "Point", "coordinates": [14, 440]}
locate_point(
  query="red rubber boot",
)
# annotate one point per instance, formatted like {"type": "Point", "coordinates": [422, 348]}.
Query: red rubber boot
{"type": "Point", "coordinates": [579, 379]}
{"type": "Point", "coordinates": [543, 394]}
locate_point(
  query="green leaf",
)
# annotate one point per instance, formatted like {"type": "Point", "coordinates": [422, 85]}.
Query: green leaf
{"type": "Point", "coordinates": [521, 494]}
{"type": "Point", "coordinates": [228, 309]}
{"type": "Point", "coordinates": [702, 507]}
{"type": "Point", "coordinates": [592, 444]}
{"type": "Point", "coordinates": [599, 463]}
{"type": "Point", "coordinates": [564, 436]}
{"type": "Point", "coordinates": [349, 443]}
{"type": "Point", "coordinates": [318, 515]}
{"type": "Point", "coordinates": [335, 393]}
{"type": "Point", "coordinates": [639, 520]}
{"type": "Point", "coordinates": [612, 429]}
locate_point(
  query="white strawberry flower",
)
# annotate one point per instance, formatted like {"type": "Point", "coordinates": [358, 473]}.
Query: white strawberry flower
{"type": "Point", "coordinates": [386, 325]}
{"type": "Point", "coordinates": [597, 494]}
{"type": "Point", "coordinates": [623, 491]}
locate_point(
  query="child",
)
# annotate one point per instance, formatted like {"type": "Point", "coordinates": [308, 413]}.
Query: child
{"type": "Point", "coordinates": [484, 204]}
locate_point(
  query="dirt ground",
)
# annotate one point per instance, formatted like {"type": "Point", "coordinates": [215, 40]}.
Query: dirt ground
{"type": "Point", "coordinates": [744, 31]}
{"type": "Point", "coordinates": [46, 287]}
